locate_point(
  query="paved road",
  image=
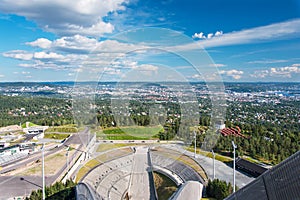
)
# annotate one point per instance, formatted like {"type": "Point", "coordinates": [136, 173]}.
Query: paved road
{"type": "Point", "coordinates": [223, 171]}
{"type": "Point", "coordinates": [12, 186]}
{"type": "Point", "coordinates": [74, 139]}
{"type": "Point", "coordinates": [140, 185]}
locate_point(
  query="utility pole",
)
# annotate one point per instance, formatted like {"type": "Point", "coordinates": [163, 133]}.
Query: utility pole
{"type": "Point", "coordinates": [214, 169]}
{"type": "Point", "coordinates": [234, 147]}
{"type": "Point", "coordinates": [43, 170]}
{"type": "Point", "coordinates": [195, 143]}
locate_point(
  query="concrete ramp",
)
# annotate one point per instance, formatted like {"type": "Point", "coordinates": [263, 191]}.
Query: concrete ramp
{"type": "Point", "coordinates": [141, 183]}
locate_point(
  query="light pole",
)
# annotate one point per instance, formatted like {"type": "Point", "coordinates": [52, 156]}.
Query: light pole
{"type": "Point", "coordinates": [67, 154]}
{"type": "Point", "coordinates": [195, 144]}
{"type": "Point", "coordinates": [214, 169]}
{"type": "Point", "coordinates": [234, 147]}
{"type": "Point", "coordinates": [43, 170]}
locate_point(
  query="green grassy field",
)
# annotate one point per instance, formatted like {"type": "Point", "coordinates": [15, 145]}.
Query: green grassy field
{"type": "Point", "coordinates": [30, 124]}
{"type": "Point", "coordinates": [209, 154]}
{"type": "Point", "coordinates": [55, 136]}
{"type": "Point", "coordinates": [130, 133]}
{"type": "Point", "coordinates": [70, 128]}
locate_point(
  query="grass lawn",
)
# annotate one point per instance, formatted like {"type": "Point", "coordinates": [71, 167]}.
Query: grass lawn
{"type": "Point", "coordinates": [60, 136]}
{"type": "Point", "coordinates": [70, 128]}
{"type": "Point", "coordinates": [130, 133]}
{"type": "Point", "coordinates": [165, 187]}
{"type": "Point", "coordinates": [30, 124]}
{"type": "Point", "coordinates": [209, 154]}
{"type": "Point", "coordinates": [53, 163]}
{"type": "Point", "coordinates": [86, 168]}
{"type": "Point", "coordinates": [105, 147]}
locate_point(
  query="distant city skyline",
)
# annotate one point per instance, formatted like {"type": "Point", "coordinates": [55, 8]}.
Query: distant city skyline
{"type": "Point", "coordinates": [247, 41]}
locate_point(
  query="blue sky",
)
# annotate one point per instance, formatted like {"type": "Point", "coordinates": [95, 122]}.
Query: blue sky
{"type": "Point", "coordinates": [257, 40]}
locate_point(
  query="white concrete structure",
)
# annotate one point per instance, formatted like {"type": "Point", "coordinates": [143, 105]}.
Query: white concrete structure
{"type": "Point", "coordinates": [191, 190]}
{"type": "Point", "coordinates": [139, 188]}
{"type": "Point", "coordinates": [35, 129]}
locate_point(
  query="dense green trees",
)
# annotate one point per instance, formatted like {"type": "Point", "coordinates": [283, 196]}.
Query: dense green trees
{"type": "Point", "coordinates": [272, 128]}
{"type": "Point", "coordinates": [218, 189]}
{"type": "Point", "coordinates": [39, 110]}
{"type": "Point", "coordinates": [59, 190]}
{"type": "Point", "coordinates": [265, 142]}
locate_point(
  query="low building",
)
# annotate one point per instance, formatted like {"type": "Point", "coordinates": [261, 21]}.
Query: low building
{"type": "Point", "coordinates": [11, 150]}
{"type": "Point", "coordinates": [249, 167]}
{"type": "Point", "coordinates": [35, 132]}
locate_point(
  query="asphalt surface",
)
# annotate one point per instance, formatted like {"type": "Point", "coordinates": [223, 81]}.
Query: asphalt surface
{"type": "Point", "coordinates": [15, 186]}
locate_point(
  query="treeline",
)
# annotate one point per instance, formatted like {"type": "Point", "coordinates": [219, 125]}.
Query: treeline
{"type": "Point", "coordinates": [39, 110]}
{"type": "Point", "coordinates": [59, 190]}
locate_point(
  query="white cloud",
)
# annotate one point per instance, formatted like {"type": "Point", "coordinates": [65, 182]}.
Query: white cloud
{"type": "Point", "coordinates": [40, 42]}
{"type": "Point", "coordinates": [18, 54]}
{"type": "Point", "coordinates": [79, 44]}
{"type": "Point", "coordinates": [2, 76]}
{"type": "Point", "coordinates": [37, 64]}
{"type": "Point", "coordinates": [283, 72]}
{"type": "Point", "coordinates": [197, 77]}
{"type": "Point", "coordinates": [146, 67]}
{"type": "Point", "coordinates": [260, 74]}
{"type": "Point", "coordinates": [219, 33]}
{"type": "Point", "coordinates": [276, 31]}
{"type": "Point", "coordinates": [199, 35]}
{"type": "Point", "coordinates": [45, 55]}
{"type": "Point", "coordinates": [267, 61]}
{"type": "Point", "coordinates": [235, 74]}
{"type": "Point", "coordinates": [209, 36]}
{"type": "Point", "coordinates": [217, 65]}
{"type": "Point", "coordinates": [64, 17]}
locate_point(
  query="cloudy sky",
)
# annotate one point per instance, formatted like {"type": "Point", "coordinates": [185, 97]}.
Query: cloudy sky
{"type": "Point", "coordinates": [62, 40]}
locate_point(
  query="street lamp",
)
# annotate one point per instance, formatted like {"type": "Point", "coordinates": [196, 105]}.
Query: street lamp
{"type": "Point", "coordinates": [195, 144]}
{"type": "Point", "coordinates": [234, 147]}
{"type": "Point", "coordinates": [67, 154]}
{"type": "Point", "coordinates": [214, 169]}
{"type": "Point", "coordinates": [43, 170]}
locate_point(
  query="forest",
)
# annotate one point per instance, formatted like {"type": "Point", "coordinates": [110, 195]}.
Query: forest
{"type": "Point", "coordinates": [271, 130]}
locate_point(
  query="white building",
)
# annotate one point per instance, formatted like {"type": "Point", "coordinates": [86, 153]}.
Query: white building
{"type": "Point", "coordinates": [38, 131]}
